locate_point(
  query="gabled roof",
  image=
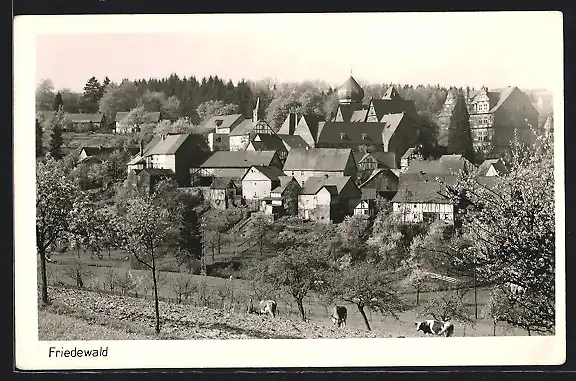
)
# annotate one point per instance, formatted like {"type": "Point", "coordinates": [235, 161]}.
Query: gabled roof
{"type": "Point", "coordinates": [386, 159]}
{"type": "Point", "coordinates": [393, 106]}
{"type": "Point", "coordinates": [238, 159]}
{"type": "Point", "coordinates": [319, 159]}
{"type": "Point", "coordinates": [293, 141]}
{"type": "Point", "coordinates": [346, 110]}
{"type": "Point", "coordinates": [222, 121]}
{"type": "Point", "coordinates": [391, 93]}
{"type": "Point", "coordinates": [272, 173]}
{"type": "Point", "coordinates": [289, 124]}
{"type": "Point", "coordinates": [498, 98]}
{"type": "Point", "coordinates": [392, 122]}
{"type": "Point", "coordinates": [268, 142]}
{"type": "Point", "coordinates": [377, 172]}
{"type": "Point", "coordinates": [150, 116]}
{"type": "Point", "coordinates": [447, 165]}
{"type": "Point", "coordinates": [353, 133]}
{"type": "Point", "coordinates": [136, 160]}
{"type": "Point", "coordinates": [312, 123]}
{"type": "Point", "coordinates": [221, 182]}
{"type": "Point", "coordinates": [244, 128]}
{"type": "Point", "coordinates": [95, 151]}
{"type": "Point", "coordinates": [358, 156]}
{"type": "Point", "coordinates": [359, 116]}
{"type": "Point", "coordinates": [496, 163]}
{"type": "Point", "coordinates": [284, 181]}
{"type": "Point", "coordinates": [421, 192]}
{"type": "Point", "coordinates": [335, 185]}
{"type": "Point", "coordinates": [168, 146]}
{"type": "Point", "coordinates": [95, 118]}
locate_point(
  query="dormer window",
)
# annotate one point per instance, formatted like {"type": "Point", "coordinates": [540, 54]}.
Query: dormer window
{"type": "Point", "coordinates": [342, 135]}
{"type": "Point", "coordinates": [219, 122]}
{"type": "Point", "coordinates": [364, 136]}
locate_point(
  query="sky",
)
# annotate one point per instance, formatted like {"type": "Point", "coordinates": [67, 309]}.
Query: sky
{"type": "Point", "coordinates": [494, 49]}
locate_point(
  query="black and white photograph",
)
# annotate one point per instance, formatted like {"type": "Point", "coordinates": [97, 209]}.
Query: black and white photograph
{"type": "Point", "coordinates": [230, 184]}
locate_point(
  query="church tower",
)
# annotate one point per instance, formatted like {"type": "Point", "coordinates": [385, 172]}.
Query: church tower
{"type": "Point", "coordinates": [257, 112]}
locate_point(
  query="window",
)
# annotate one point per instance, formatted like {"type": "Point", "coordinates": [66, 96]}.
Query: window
{"type": "Point", "coordinates": [301, 173]}
{"type": "Point", "coordinates": [415, 206]}
{"type": "Point", "coordinates": [364, 136]}
{"type": "Point", "coordinates": [342, 135]}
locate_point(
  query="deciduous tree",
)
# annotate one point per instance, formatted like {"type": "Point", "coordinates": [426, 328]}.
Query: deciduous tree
{"type": "Point", "coordinates": [145, 228]}
{"type": "Point", "coordinates": [55, 196]}
{"type": "Point", "coordinates": [216, 108]}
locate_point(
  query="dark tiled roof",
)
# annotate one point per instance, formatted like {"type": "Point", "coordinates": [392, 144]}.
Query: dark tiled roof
{"type": "Point", "coordinates": [272, 173]}
{"type": "Point", "coordinates": [377, 172]}
{"type": "Point", "coordinates": [312, 123]}
{"type": "Point", "coordinates": [167, 146]}
{"type": "Point", "coordinates": [358, 155]}
{"type": "Point", "coordinates": [284, 181]}
{"type": "Point", "coordinates": [347, 110]}
{"type": "Point", "coordinates": [244, 128]}
{"type": "Point", "coordinates": [268, 142]}
{"type": "Point", "coordinates": [447, 165]}
{"type": "Point", "coordinates": [293, 141]}
{"type": "Point", "coordinates": [354, 133]}
{"type": "Point", "coordinates": [223, 121]}
{"type": "Point", "coordinates": [392, 122]}
{"type": "Point", "coordinates": [359, 116]}
{"type": "Point", "coordinates": [221, 182]}
{"type": "Point", "coordinates": [95, 151]}
{"type": "Point", "coordinates": [319, 159]}
{"type": "Point", "coordinates": [421, 192]}
{"type": "Point", "coordinates": [386, 159]}
{"type": "Point", "coordinates": [393, 106]}
{"type": "Point", "coordinates": [289, 124]}
{"type": "Point", "coordinates": [334, 184]}
{"type": "Point", "coordinates": [239, 159]}
{"type": "Point", "coordinates": [95, 118]}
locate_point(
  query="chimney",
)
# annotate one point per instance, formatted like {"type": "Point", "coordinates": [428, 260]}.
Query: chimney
{"type": "Point", "coordinates": [141, 148]}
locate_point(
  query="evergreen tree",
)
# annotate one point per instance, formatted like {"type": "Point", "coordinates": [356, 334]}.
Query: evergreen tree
{"type": "Point", "coordinates": [92, 94]}
{"type": "Point", "coordinates": [105, 83]}
{"type": "Point", "coordinates": [38, 138]}
{"type": "Point", "coordinates": [58, 102]}
{"type": "Point", "coordinates": [55, 141]}
{"type": "Point", "coordinates": [459, 135]}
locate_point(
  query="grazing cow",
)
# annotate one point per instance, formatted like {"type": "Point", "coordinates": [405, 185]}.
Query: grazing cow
{"type": "Point", "coordinates": [267, 307]}
{"type": "Point", "coordinates": [339, 315]}
{"type": "Point", "coordinates": [435, 327]}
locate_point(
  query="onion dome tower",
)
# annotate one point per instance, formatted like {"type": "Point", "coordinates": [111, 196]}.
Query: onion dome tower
{"type": "Point", "coordinates": [350, 92]}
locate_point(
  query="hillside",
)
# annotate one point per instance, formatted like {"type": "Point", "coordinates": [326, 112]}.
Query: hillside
{"type": "Point", "coordinates": [124, 317]}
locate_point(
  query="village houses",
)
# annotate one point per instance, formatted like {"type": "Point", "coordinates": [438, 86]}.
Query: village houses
{"type": "Point", "coordinates": [217, 130]}
{"type": "Point", "coordinates": [283, 199]}
{"type": "Point", "coordinates": [303, 163]}
{"type": "Point", "coordinates": [225, 193]}
{"type": "Point", "coordinates": [258, 182]}
{"type": "Point", "coordinates": [175, 152]}
{"type": "Point", "coordinates": [328, 199]}
{"type": "Point", "coordinates": [422, 195]}
{"type": "Point", "coordinates": [234, 164]}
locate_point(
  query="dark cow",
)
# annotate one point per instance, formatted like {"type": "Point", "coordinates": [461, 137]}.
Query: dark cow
{"type": "Point", "coordinates": [339, 315]}
{"type": "Point", "coordinates": [435, 327]}
{"type": "Point", "coordinates": [267, 307]}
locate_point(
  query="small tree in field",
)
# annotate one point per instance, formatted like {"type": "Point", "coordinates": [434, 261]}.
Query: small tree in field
{"type": "Point", "coordinates": [145, 228]}
{"type": "Point", "coordinates": [297, 270]}
{"type": "Point", "coordinates": [368, 285]}
{"type": "Point", "coordinates": [55, 196]}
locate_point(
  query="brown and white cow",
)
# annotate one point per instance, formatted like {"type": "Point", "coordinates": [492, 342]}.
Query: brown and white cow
{"type": "Point", "coordinates": [435, 327]}
{"type": "Point", "coordinates": [339, 315]}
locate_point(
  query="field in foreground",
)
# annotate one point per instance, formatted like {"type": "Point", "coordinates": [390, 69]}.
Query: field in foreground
{"type": "Point", "coordinates": [87, 315]}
